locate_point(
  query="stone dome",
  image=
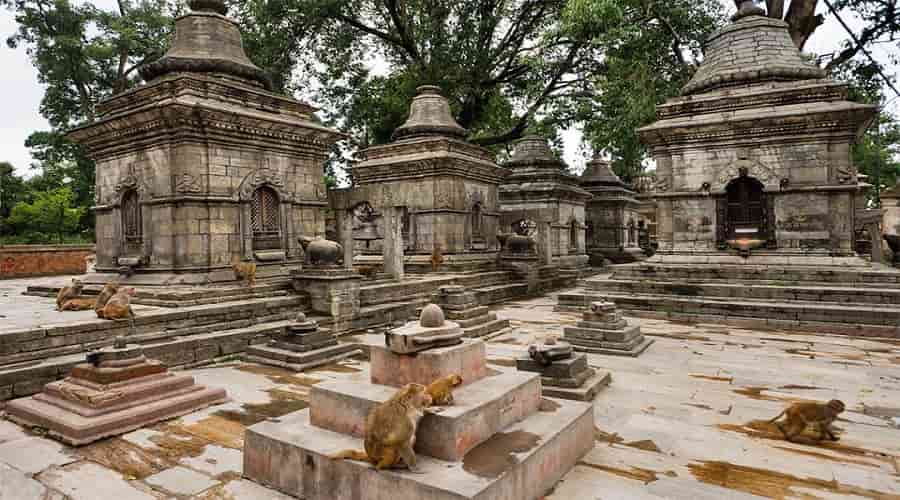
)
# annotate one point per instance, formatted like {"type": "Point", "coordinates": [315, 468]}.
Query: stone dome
{"type": "Point", "coordinates": [432, 317]}
{"type": "Point", "coordinates": [753, 49]}
{"type": "Point", "coordinates": [429, 115]}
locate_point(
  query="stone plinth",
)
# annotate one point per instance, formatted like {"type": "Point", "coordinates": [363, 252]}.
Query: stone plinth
{"type": "Point", "coordinates": [458, 446]}
{"type": "Point", "coordinates": [302, 345]}
{"type": "Point", "coordinates": [461, 307]}
{"type": "Point", "coordinates": [116, 391]}
{"type": "Point", "coordinates": [564, 374]}
{"type": "Point", "coordinates": [604, 331]}
{"type": "Point", "coordinates": [333, 290]}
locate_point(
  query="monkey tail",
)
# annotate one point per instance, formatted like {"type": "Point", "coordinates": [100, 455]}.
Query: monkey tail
{"type": "Point", "coordinates": [778, 416]}
{"type": "Point", "coordinates": [350, 454]}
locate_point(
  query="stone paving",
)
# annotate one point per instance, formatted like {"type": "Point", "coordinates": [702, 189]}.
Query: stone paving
{"type": "Point", "coordinates": [684, 420]}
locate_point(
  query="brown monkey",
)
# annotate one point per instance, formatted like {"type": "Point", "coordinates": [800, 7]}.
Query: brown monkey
{"type": "Point", "coordinates": [245, 271]}
{"type": "Point", "coordinates": [437, 258]}
{"type": "Point", "coordinates": [68, 293]}
{"type": "Point", "coordinates": [108, 291]}
{"type": "Point", "coordinates": [79, 305]}
{"type": "Point", "coordinates": [799, 416]}
{"type": "Point", "coordinates": [391, 430]}
{"type": "Point", "coordinates": [441, 390]}
{"type": "Point", "coordinates": [119, 306]}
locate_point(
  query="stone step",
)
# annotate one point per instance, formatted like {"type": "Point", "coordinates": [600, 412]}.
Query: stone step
{"type": "Point", "coordinates": [769, 290]}
{"type": "Point", "coordinates": [854, 320]}
{"type": "Point", "coordinates": [448, 433]}
{"type": "Point", "coordinates": [847, 276]}
{"type": "Point", "coordinates": [291, 456]}
{"type": "Point", "coordinates": [297, 361]}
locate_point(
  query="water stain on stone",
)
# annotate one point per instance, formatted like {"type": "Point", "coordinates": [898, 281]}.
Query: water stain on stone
{"type": "Point", "coordinates": [713, 377]}
{"type": "Point", "coordinates": [124, 457]}
{"type": "Point", "coordinates": [645, 476]}
{"type": "Point", "coordinates": [279, 375]}
{"type": "Point", "coordinates": [605, 437]}
{"type": "Point", "coordinates": [548, 406]}
{"type": "Point", "coordinates": [645, 444]}
{"type": "Point", "coordinates": [771, 484]}
{"type": "Point", "coordinates": [501, 362]}
{"type": "Point", "coordinates": [495, 456]}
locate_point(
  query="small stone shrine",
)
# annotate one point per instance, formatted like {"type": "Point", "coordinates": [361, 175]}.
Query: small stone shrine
{"type": "Point", "coordinates": [117, 390]}
{"type": "Point", "coordinates": [603, 330]}
{"type": "Point", "coordinates": [461, 307]}
{"type": "Point", "coordinates": [450, 442]}
{"type": "Point", "coordinates": [302, 346]}
{"type": "Point", "coordinates": [204, 164]}
{"type": "Point", "coordinates": [612, 216]}
{"type": "Point", "coordinates": [564, 374]}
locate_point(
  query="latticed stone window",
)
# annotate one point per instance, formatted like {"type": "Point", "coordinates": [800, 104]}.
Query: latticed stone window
{"type": "Point", "coordinates": [265, 219]}
{"type": "Point", "coordinates": [132, 227]}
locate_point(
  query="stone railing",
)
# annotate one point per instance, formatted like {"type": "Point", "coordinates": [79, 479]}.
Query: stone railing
{"type": "Point", "coordinates": [20, 261]}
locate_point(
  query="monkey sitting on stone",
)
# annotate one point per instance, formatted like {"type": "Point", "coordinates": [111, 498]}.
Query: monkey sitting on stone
{"type": "Point", "coordinates": [799, 416]}
{"type": "Point", "coordinates": [68, 293]}
{"type": "Point", "coordinates": [441, 390]}
{"type": "Point", "coordinates": [245, 271]}
{"type": "Point", "coordinates": [391, 430]}
{"type": "Point", "coordinates": [107, 293]}
{"type": "Point", "coordinates": [78, 304]}
{"type": "Point", "coordinates": [119, 306]}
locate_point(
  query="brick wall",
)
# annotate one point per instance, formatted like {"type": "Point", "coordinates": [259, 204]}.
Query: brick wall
{"type": "Point", "coordinates": [19, 261]}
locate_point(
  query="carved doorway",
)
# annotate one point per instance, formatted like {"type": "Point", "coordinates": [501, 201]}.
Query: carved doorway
{"type": "Point", "coordinates": [745, 212]}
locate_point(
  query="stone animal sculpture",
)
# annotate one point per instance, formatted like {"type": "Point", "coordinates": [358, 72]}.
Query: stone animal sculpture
{"type": "Point", "coordinates": [391, 430]}
{"type": "Point", "coordinates": [799, 416]}
{"type": "Point", "coordinates": [437, 258]}
{"type": "Point", "coordinates": [68, 293]}
{"type": "Point", "coordinates": [77, 304]}
{"type": "Point", "coordinates": [245, 271]}
{"type": "Point", "coordinates": [441, 390]}
{"type": "Point", "coordinates": [107, 293]}
{"type": "Point", "coordinates": [119, 305]}
{"type": "Point", "coordinates": [321, 252]}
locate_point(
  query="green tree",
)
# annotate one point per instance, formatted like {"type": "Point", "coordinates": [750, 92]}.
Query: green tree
{"type": "Point", "coordinates": [51, 215]}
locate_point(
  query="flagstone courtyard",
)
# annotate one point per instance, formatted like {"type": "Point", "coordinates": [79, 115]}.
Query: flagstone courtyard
{"type": "Point", "coordinates": [686, 419]}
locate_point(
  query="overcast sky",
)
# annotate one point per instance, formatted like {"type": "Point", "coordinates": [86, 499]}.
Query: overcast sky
{"type": "Point", "coordinates": [20, 114]}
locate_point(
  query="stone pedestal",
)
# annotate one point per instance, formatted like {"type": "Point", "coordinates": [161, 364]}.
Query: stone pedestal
{"type": "Point", "coordinates": [604, 331]}
{"type": "Point", "coordinates": [117, 390]}
{"type": "Point", "coordinates": [292, 455]}
{"type": "Point", "coordinates": [333, 290]}
{"type": "Point", "coordinates": [461, 307]}
{"type": "Point", "coordinates": [564, 374]}
{"type": "Point", "coordinates": [302, 346]}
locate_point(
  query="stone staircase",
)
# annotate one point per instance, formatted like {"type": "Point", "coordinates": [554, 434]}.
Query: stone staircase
{"type": "Point", "coordinates": [850, 301]}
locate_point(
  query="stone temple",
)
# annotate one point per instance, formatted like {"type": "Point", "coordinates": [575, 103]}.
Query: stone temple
{"type": "Point", "coordinates": [204, 165]}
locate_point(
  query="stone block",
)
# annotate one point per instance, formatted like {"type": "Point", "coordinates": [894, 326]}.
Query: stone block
{"type": "Point", "coordinates": [466, 359]}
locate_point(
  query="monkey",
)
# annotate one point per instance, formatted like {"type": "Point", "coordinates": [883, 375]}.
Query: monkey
{"type": "Point", "coordinates": [108, 291]}
{"type": "Point", "coordinates": [437, 258]}
{"type": "Point", "coordinates": [68, 293]}
{"type": "Point", "coordinates": [800, 415]}
{"type": "Point", "coordinates": [441, 390]}
{"type": "Point", "coordinates": [391, 430]}
{"type": "Point", "coordinates": [79, 305]}
{"type": "Point", "coordinates": [245, 271]}
{"type": "Point", "coordinates": [119, 306]}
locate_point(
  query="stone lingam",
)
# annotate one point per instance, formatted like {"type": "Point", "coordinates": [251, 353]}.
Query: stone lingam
{"type": "Point", "coordinates": [116, 390]}
{"type": "Point", "coordinates": [292, 454]}
{"type": "Point", "coordinates": [564, 374]}
{"type": "Point", "coordinates": [603, 330]}
{"type": "Point", "coordinates": [302, 346]}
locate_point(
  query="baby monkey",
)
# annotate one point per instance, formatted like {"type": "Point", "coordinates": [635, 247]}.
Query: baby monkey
{"type": "Point", "coordinates": [441, 390]}
{"type": "Point", "coordinates": [391, 430]}
{"type": "Point", "coordinates": [799, 416]}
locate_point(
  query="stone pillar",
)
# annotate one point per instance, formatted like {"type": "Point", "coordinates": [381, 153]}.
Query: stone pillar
{"type": "Point", "coordinates": [393, 243]}
{"type": "Point", "coordinates": [345, 223]}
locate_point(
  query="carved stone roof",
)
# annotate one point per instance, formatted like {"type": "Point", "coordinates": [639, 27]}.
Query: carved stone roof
{"type": "Point", "coordinates": [753, 49]}
{"type": "Point", "coordinates": [429, 115]}
{"type": "Point", "coordinates": [207, 42]}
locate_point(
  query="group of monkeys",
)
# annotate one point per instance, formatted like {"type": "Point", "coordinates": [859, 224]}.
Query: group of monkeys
{"type": "Point", "coordinates": [391, 426]}
{"type": "Point", "coordinates": [114, 301]}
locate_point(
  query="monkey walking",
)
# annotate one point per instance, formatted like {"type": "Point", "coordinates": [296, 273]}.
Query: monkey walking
{"type": "Point", "coordinates": [107, 293]}
{"type": "Point", "coordinates": [68, 293]}
{"type": "Point", "coordinates": [799, 416]}
{"type": "Point", "coordinates": [391, 430]}
{"type": "Point", "coordinates": [441, 390]}
{"type": "Point", "coordinates": [245, 271]}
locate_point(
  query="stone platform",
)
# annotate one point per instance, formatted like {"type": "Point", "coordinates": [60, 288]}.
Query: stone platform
{"type": "Point", "coordinates": [116, 391]}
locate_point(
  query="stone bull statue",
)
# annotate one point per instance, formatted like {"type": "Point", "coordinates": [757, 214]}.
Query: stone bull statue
{"type": "Point", "coordinates": [321, 252]}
